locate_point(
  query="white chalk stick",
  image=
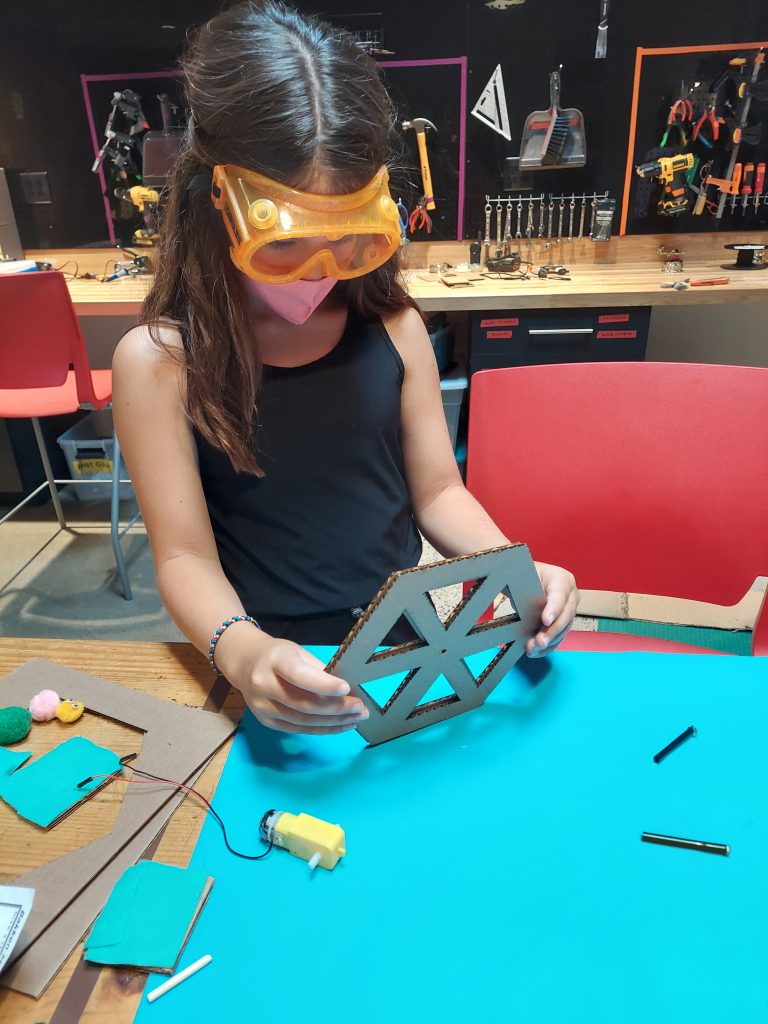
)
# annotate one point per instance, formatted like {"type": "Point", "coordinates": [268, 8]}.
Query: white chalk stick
{"type": "Point", "coordinates": [178, 978]}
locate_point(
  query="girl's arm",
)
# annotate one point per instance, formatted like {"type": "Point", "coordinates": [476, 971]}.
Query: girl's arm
{"type": "Point", "coordinates": [284, 685]}
{"type": "Point", "coordinates": [451, 519]}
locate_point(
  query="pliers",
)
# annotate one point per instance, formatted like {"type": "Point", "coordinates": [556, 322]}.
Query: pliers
{"type": "Point", "coordinates": [420, 218]}
{"type": "Point", "coordinates": [680, 112]}
{"type": "Point", "coordinates": [710, 117]}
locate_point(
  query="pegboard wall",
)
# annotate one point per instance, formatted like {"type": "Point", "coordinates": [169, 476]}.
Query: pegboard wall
{"type": "Point", "coordinates": [44, 124]}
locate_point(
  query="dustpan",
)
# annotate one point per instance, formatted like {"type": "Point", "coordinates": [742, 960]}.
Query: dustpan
{"type": "Point", "coordinates": [553, 138]}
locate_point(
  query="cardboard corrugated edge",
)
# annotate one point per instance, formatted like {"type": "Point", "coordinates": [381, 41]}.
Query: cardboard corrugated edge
{"type": "Point", "coordinates": [70, 891]}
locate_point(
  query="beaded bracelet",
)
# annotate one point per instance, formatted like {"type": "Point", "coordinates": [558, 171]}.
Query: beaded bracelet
{"type": "Point", "coordinates": [217, 635]}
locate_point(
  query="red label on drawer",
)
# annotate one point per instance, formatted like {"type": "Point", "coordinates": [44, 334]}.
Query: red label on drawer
{"type": "Point", "coordinates": [498, 334]}
{"type": "Point", "coordinates": [617, 334]}
{"type": "Point", "coordinates": [509, 321]}
{"type": "Point", "coordinates": [614, 318]}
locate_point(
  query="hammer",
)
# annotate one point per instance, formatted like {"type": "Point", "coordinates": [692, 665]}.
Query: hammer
{"type": "Point", "coordinates": [420, 125]}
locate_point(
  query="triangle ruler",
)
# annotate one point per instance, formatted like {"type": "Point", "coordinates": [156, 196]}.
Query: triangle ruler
{"type": "Point", "coordinates": [491, 108]}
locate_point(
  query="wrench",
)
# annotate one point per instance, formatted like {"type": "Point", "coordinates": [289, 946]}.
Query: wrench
{"type": "Point", "coordinates": [518, 233]}
{"type": "Point", "coordinates": [487, 240]}
{"type": "Point", "coordinates": [498, 224]}
{"type": "Point", "coordinates": [550, 212]}
{"type": "Point", "coordinates": [571, 208]}
{"type": "Point", "coordinates": [508, 229]}
{"type": "Point", "coordinates": [541, 216]}
{"type": "Point", "coordinates": [529, 226]}
{"type": "Point", "coordinates": [581, 216]}
{"type": "Point", "coordinates": [561, 211]}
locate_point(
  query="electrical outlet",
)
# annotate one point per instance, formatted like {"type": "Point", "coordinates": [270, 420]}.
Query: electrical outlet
{"type": "Point", "coordinates": [34, 185]}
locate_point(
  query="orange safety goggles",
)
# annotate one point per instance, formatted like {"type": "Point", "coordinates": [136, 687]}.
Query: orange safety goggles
{"type": "Point", "coordinates": [280, 234]}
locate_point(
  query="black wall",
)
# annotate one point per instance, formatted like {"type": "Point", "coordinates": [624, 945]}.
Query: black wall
{"type": "Point", "coordinates": [45, 46]}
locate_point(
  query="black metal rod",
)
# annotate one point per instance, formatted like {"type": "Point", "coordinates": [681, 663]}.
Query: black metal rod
{"type": "Point", "coordinates": [686, 844]}
{"type": "Point", "coordinates": [676, 742]}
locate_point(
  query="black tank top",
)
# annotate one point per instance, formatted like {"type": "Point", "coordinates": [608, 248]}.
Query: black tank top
{"type": "Point", "coordinates": [332, 517]}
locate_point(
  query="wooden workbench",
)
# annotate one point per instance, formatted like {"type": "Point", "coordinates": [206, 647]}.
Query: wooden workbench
{"type": "Point", "coordinates": [623, 272]}
{"type": "Point", "coordinates": [177, 671]}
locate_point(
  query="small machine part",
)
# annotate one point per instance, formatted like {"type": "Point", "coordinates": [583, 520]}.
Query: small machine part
{"type": "Point", "coordinates": [749, 256]}
{"type": "Point", "coordinates": [603, 220]}
{"type": "Point", "coordinates": [440, 268]}
{"type": "Point", "coordinates": [672, 260]}
{"type": "Point", "coordinates": [679, 286]}
{"type": "Point", "coordinates": [571, 208]}
{"type": "Point", "coordinates": [315, 841]}
{"type": "Point", "coordinates": [671, 172]}
{"type": "Point", "coordinates": [487, 240]}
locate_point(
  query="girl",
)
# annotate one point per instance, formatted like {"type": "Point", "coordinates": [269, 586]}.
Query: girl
{"type": "Point", "coordinates": [279, 409]}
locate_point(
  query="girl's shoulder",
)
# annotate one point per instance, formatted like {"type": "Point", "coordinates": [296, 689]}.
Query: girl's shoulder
{"type": "Point", "coordinates": [152, 343]}
{"type": "Point", "coordinates": [151, 356]}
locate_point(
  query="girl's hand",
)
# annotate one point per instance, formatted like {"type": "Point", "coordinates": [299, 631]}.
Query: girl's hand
{"type": "Point", "coordinates": [287, 689]}
{"type": "Point", "coordinates": [557, 616]}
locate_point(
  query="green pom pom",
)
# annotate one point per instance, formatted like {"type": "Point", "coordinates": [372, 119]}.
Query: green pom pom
{"type": "Point", "coordinates": [15, 724]}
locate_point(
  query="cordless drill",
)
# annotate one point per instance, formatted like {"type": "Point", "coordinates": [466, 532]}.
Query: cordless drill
{"type": "Point", "coordinates": [671, 172]}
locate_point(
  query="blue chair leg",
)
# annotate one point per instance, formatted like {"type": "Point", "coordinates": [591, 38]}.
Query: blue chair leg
{"type": "Point", "coordinates": [115, 523]}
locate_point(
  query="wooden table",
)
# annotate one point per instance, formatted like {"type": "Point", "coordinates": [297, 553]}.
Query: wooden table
{"type": "Point", "coordinates": [177, 671]}
{"type": "Point", "coordinates": [623, 272]}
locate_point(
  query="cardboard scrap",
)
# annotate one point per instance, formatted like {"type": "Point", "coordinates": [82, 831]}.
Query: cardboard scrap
{"type": "Point", "coordinates": [148, 917]}
{"type": "Point", "coordinates": [177, 743]}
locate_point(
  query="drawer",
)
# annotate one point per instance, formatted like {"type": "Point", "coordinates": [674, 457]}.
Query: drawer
{"type": "Point", "coordinates": [526, 337]}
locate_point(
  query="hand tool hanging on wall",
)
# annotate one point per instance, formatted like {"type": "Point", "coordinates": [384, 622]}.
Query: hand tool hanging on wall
{"type": "Point", "coordinates": [759, 182]}
{"type": "Point", "coordinates": [680, 115]}
{"type": "Point", "coordinates": [123, 147]}
{"type": "Point", "coordinates": [671, 173]}
{"type": "Point", "coordinates": [420, 126]}
{"type": "Point", "coordinates": [491, 108]}
{"type": "Point", "coordinates": [746, 90]}
{"type": "Point", "coordinates": [601, 47]}
{"type": "Point", "coordinates": [508, 229]}
{"type": "Point", "coordinates": [553, 138]}
{"type": "Point", "coordinates": [747, 186]}
{"type": "Point", "coordinates": [709, 118]}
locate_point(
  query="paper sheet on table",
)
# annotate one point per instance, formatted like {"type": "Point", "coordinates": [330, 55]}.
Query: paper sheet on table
{"type": "Point", "coordinates": [148, 917]}
{"type": "Point", "coordinates": [15, 905]}
{"type": "Point", "coordinates": [10, 760]}
{"type": "Point", "coordinates": [47, 789]}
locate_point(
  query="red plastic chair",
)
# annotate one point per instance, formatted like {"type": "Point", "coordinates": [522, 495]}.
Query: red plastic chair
{"type": "Point", "coordinates": [44, 371]}
{"type": "Point", "coordinates": [648, 478]}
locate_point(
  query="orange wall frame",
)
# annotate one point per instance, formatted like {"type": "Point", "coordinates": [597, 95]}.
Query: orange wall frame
{"type": "Point", "coordinates": [660, 51]}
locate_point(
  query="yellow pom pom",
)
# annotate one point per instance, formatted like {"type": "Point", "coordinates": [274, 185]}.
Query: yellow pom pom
{"type": "Point", "coordinates": [69, 711]}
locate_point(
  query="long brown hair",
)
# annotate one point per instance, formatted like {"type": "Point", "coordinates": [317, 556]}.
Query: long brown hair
{"type": "Point", "coordinates": [287, 96]}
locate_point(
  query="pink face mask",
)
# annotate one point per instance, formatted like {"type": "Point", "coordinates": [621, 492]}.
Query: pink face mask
{"type": "Point", "coordinates": [294, 302]}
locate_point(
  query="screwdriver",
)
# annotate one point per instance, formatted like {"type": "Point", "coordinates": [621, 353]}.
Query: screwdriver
{"type": "Point", "coordinates": [736, 181]}
{"type": "Point", "coordinates": [759, 181]}
{"type": "Point", "coordinates": [746, 188]}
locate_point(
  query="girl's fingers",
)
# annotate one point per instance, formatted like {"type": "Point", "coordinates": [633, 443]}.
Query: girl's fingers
{"type": "Point", "coordinates": [301, 669]}
{"type": "Point", "coordinates": [288, 714]}
{"type": "Point", "coordinates": [307, 703]}
{"type": "Point", "coordinates": [311, 730]}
